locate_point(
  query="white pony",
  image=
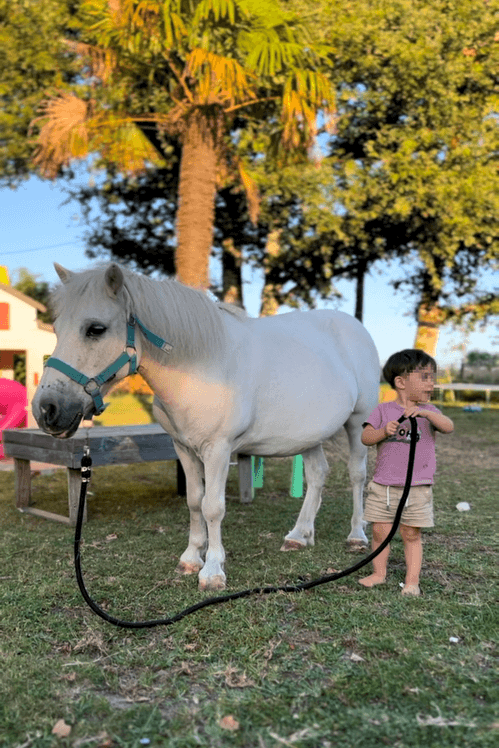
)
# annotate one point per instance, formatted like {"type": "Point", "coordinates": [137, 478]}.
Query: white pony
{"type": "Point", "coordinates": [223, 383]}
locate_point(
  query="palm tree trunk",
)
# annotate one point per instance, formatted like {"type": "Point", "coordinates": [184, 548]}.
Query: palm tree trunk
{"type": "Point", "coordinates": [429, 320]}
{"type": "Point", "coordinates": [196, 210]}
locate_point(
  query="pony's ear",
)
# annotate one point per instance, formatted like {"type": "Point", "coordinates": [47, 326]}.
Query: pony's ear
{"type": "Point", "coordinates": [114, 279]}
{"type": "Point", "coordinates": [64, 275]}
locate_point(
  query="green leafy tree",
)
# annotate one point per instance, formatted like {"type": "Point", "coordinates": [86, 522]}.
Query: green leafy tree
{"type": "Point", "coordinates": [482, 358]}
{"type": "Point", "coordinates": [415, 157]}
{"type": "Point", "coordinates": [34, 58]}
{"type": "Point", "coordinates": [411, 171]}
{"type": "Point", "coordinates": [201, 71]}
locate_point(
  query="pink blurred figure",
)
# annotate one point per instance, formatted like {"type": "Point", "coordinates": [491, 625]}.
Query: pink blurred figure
{"type": "Point", "coordinates": [13, 402]}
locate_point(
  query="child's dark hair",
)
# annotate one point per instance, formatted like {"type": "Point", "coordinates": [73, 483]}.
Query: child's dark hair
{"type": "Point", "coordinates": [405, 362]}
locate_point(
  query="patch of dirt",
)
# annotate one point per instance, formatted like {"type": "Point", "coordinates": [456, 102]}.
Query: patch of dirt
{"type": "Point", "coordinates": [461, 452]}
{"type": "Point", "coordinates": [450, 542]}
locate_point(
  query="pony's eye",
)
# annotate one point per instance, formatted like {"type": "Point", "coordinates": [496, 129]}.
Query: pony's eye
{"type": "Point", "coordinates": [95, 330]}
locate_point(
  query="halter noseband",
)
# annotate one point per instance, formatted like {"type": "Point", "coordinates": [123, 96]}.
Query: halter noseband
{"type": "Point", "coordinates": [92, 385]}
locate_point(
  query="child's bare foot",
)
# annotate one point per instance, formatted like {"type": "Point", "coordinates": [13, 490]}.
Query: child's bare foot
{"type": "Point", "coordinates": [372, 580]}
{"type": "Point", "coordinates": [411, 589]}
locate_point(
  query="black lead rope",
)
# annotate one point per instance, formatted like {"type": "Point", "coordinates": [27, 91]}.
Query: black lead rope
{"type": "Point", "coordinates": [86, 463]}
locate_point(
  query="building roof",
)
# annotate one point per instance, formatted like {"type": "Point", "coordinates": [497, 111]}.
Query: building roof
{"type": "Point", "coordinates": [44, 326]}
{"type": "Point", "coordinates": [27, 299]}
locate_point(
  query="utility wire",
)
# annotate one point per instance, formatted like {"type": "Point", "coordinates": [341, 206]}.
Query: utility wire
{"type": "Point", "coordinates": [39, 249]}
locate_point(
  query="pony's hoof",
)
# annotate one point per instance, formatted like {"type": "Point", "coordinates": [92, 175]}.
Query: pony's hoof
{"type": "Point", "coordinates": [292, 545]}
{"type": "Point", "coordinates": [213, 583]}
{"type": "Point", "coordinates": [356, 546]}
{"type": "Point", "coordinates": [183, 569]}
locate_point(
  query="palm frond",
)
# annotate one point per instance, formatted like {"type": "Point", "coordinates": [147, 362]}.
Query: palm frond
{"type": "Point", "coordinates": [217, 10]}
{"type": "Point", "coordinates": [63, 133]}
{"type": "Point", "coordinates": [121, 142]}
{"type": "Point", "coordinates": [306, 92]}
{"type": "Point", "coordinates": [268, 53]}
{"type": "Point", "coordinates": [101, 62]}
{"type": "Point", "coordinates": [220, 79]}
{"type": "Point", "coordinates": [251, 190]}
{"type": "Point", "coordinates": [69, 128]}
{"type": "Point", "coordinates": [175, 29]}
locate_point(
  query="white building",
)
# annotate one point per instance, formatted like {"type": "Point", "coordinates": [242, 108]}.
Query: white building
{"type": "Point", "coordinates": [22, 333]}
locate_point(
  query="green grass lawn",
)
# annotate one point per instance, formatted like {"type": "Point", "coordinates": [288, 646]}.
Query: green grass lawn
{"type": "Point", "coordinates": [336, 666]}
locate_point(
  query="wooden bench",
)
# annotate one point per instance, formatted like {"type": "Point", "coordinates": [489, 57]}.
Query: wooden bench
{"type": "Point", "coordinates": [109, 445]}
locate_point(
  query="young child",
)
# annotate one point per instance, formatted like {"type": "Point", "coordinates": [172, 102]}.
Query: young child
{"type": "Point", "coordinates": [411, 373]}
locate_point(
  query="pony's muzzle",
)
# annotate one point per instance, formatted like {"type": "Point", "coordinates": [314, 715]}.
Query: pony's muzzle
{"type": "Point", "coordinates": [56, 419]}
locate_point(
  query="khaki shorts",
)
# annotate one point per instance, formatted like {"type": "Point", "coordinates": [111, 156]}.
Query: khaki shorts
{"type": "Point", "coordinates": [382, 503]}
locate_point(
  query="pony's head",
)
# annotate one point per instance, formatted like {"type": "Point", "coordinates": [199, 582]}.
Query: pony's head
{"type": "Point", "coordinates": [92, 312]}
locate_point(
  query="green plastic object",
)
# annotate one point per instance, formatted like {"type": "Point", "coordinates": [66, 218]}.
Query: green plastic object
{"type": "Point", "coordinates": [257, 465]}
{"type": "Point", "coordinates": [296, 490]}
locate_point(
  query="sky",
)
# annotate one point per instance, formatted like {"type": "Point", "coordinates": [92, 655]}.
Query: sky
{"type": "Point", "coordinates": [38, 229]}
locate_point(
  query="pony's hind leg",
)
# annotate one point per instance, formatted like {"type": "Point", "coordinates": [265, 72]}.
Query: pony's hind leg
{"type": "Point", "coordinates": [316, 470]}
{"type": "Point", "coordinates": [357, 468]}
{"type": "Point", "coordinates": [192, 559]}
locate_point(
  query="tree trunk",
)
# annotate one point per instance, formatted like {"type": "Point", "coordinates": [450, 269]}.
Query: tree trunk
{"type": "Point", "coordinates": [359, 290]}
{"type": "Point", "coordinates": [270, 305]}
{"type": "Point", "coordinates": [196, 210]}
{"type": "Point", "coordinates": [232, 284]}
{"type": "Point", "coordinates": [429, 320]}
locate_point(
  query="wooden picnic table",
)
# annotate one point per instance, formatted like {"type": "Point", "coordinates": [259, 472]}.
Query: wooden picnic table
{"type": "Point", "coordinates": [109, 445]}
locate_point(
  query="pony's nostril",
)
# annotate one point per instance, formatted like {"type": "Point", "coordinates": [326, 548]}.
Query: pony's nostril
{"type": "Point", "coordinates": [49, 412]}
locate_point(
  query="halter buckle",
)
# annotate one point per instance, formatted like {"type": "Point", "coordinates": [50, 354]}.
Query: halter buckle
{"type": "Point", "coordinates": [92, 392]}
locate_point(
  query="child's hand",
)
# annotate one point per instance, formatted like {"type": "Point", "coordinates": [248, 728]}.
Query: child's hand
{"type": "Point", "coordinates": [391, 428]}
{"type": "Point", "coordinates": [414, 410]}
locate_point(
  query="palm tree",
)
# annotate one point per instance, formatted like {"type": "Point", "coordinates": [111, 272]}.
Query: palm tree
{"type": "Point", "coordinates": [430, 319]}
{"type": "Point", "coordinates": [201, 72]}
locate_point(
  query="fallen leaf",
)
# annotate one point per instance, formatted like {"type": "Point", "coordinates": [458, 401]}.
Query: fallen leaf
{"type": "Point", "coordinates": [229, 723]}
{"type": "Point", "coordinates": [112, 536]}
{"type": "Point", "coordinates": [61, 729]}
{"type": "Point", "coordinates": [442, 722]}
{"type": "Point", "coordinates": [356, 658]}
{"type": "Point", "coordinates": [102, 740]}
{"type": "Point", "coordinates": [352, 656]}
{"type": "Point", "coordinates": [234, 679]}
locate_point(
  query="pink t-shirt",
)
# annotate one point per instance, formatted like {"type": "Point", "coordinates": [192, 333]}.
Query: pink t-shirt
{"type": "Point", "coordinates": [393, 453]}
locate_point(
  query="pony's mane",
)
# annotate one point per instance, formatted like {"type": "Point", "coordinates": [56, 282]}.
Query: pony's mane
{"type": "Point", "coordinates": [184, 317]}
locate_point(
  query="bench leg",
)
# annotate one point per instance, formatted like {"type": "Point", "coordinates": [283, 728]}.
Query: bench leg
{"type": "Point", "coordinates": [23, 483]}
{"type": "Point", "coordinates": [181, 482]}
{"type": "Point", "coordinates": [74, 486]}
{"type": "Point", "coordinates": [245, 470]}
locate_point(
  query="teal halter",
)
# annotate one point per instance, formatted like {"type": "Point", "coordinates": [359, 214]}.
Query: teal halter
{"type": "Point", "coordinates": [92, 385]}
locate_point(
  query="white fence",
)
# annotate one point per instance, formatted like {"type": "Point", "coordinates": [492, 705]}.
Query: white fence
{"type": "Point", "coordinates": [456, 386]}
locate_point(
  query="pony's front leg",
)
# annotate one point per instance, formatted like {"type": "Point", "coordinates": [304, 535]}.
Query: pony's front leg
{"type": "Point", "coordinates": [216, 468]}
{"type": "Point", "coordinates": [316, 470]}
{"type": "Point", "coordinates": [191, 560]}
